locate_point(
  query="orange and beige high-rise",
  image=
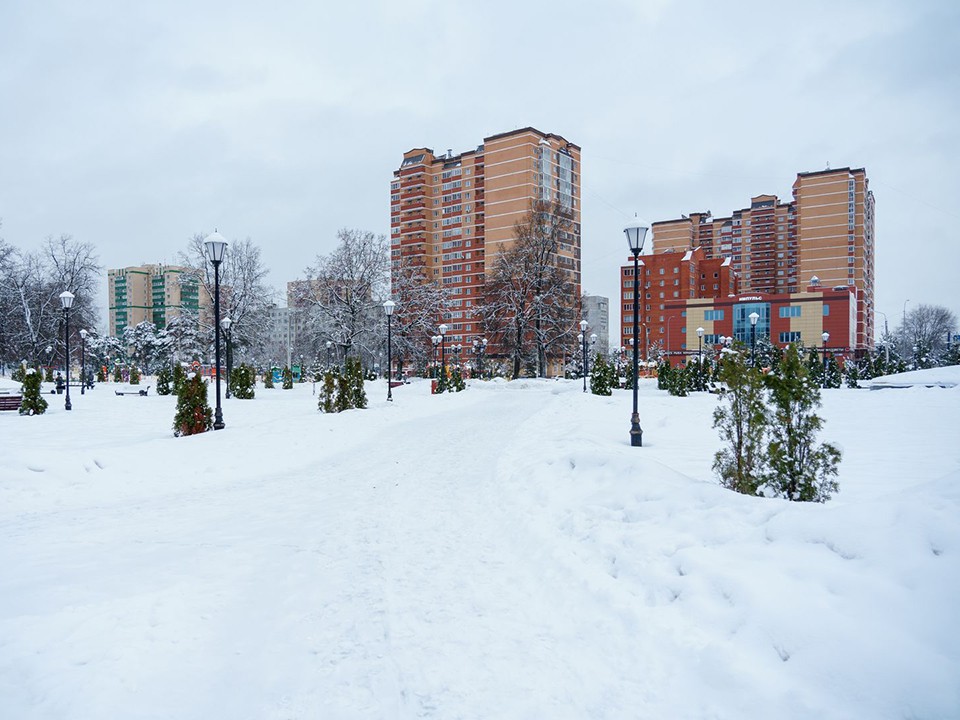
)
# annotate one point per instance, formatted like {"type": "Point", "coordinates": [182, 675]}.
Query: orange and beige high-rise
{"type": "Point", "coordinates": [826, 232]}
{"type": "Point", "coordinates": [452, 214]}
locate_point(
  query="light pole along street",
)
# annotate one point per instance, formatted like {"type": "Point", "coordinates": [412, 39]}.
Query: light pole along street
{"type": "Point", "coordinates": [753, 338]}
{"type": "Point", "coordinates": [582, 337]}
{"type": "Point", "coordinates": [636, 233]}
{"type": "Point", "coordinates": [216, 247]}
{"type": "Point", "coordinates": [825, 337]}
{"type": "Point", "coordinates": [388, 307]}
{"type": "Point", "coordinates": [66, 300]}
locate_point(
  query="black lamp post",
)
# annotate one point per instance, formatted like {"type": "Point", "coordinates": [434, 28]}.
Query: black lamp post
{"type": "Point", "coordinates": [479, 347]}
{"type": "Point", "coordinates": [699, 358]}
{"type": "Point", "coordinates": [388, 307]}
{"type": "Point", "coordinates": [216, 247]}
{"type": "Point", "coordinates": [753, 338]}
{"type": "Point", "coordinates": [636, 233]}
{"type": "Point", "coordinates": [329, 354]}
{"type": "Point", "coordinates": [582, 337]}
{"type": "Point", "coordinates": [66, 300]}
{"type": "Point", "coordinates": [225, 324]}
{"type": "Point", "coordinates": [825, 336]}
{"type": "Point", "coordinates": [83, 366]}
{"type": "Point", "coordinates": [443, 352]}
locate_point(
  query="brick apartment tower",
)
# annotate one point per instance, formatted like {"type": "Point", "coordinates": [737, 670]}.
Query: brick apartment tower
{"type": "Point", "coordinates": [776, 248]}
{"type": "Point", "coordinates": [452, 214]}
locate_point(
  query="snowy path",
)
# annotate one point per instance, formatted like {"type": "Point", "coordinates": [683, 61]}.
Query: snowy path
{"type": "Point", "coordinates": [499, 553]}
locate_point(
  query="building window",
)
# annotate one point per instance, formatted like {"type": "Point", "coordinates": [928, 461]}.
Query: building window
{"type": "Point", "coordinates": [713, 315]}
{"type": "Point", "coordinates": [790, 311]}
{"type": "Point", "coordinates": [826, 309]}
{"type": "Point", "coordinates": [790, 336]}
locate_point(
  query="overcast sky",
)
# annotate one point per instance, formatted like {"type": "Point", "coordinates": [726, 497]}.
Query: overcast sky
{"type": "Point", "coordinates": [136, 125]}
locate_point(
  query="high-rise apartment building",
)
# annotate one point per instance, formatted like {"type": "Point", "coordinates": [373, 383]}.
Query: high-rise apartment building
{"type": "Point", "coordinates": [452, 214]}
{"type": "Point", "coordinates": [155, 293]}
{"type": "Point", "coordinates": [827, 231]}
{"type": "Point", "coordinates": [596, 311]}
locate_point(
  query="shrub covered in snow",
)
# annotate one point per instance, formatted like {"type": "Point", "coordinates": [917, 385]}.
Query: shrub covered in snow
{"type": "Point", "coordinates": [33, 402]}
{"type": "Point", "coordinates": [193, 411]}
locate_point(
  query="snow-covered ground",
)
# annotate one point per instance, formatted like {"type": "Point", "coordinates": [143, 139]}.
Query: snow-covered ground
{"type": "Point", "coordinates": [498, 553]}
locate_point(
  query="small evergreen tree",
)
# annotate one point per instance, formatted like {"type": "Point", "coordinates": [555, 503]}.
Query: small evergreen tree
{"type": "Point", "coordinates": [33, 402]}
{"type": "Point", "coordinates": [287, 376]}
{"type": "Point", "coordinates": [48, 377]}
{"type": "Point", "coordinates": [664, 372]}
{"type": "Point", "coordinates": [179, 378]}
{"type": "Point", "coordinates": [601, 380]}
{"type": "Point", "coordinates": [268, 379]}
{"type": "Point", "coordinates": [193, 411]}
{"type": "Point", "coordinates": [678, 380]}
{"type": "Point", "coordinates": [164, 380]}
{"type": "Point", "coordinates": [741, 419]}
{"type": "Point", "coordinates": [798, 469]}
{"type": "Point", "coordinates": [242, 382]}
{"type": "Point", "coordinates": [834, 377]}
{"type": "Point", "coordinates": [443, 381]}
{"type": "Point", "coordinates": [814, 367]}
{"type": "Point", "coordinates": [117, 374]}
{"type": "Point", "coordinates": [358, 394]}
{"type": "Point", "coordinates": [19, 373]}
{"type": "Point", "coordinates": [134, 375]}
{"type": "Point", "coordinates": [343, 397]}
{"type": "Point", "coordinates": [328, 392]}
{"type": "Point", "coordinates": [852, 374]}
{"type": "Point", "coordinates": [456, 381]}
{"type": "Point", "coordinates": [102, 373]}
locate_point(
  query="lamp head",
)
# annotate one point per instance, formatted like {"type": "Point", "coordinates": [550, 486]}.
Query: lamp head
{"type": "Point", "coordinates": [66, 299]}
{"type": "Point", "coordinates": [584, 325]}
{"type": "Point", "coordinates": [388, 307]}
{"type": "Point", "coordinates": [700, 332]}
{"type": "Point", "coordinates": [84, 333]}
{"type": "Point", "coordinates": [226, 323]}
{"type": "Point", "coordinates": [753, 318]}
{"type": "Point", "coordinates": [636, 232]}
{"type": "Point", "coordinates": [215, 246]}
{"type": "Point", "coordinates": [442, 329]}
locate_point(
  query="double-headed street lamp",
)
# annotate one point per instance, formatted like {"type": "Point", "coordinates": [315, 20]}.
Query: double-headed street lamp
{"type": "Point", "coordinates": [66, 301]}
{"type": "Point", "coordinates": [215, 246]}
{"type": "Point", "coordinates": [435, 341]}
{"type": "Point", "coordinates": [753, 338]}
{"type": "Point", "coordinates": [388, 307]}
{"type": "Point", "coordinates": [225, 324]}
{"type": "Point", "coordinates": [479, 348]}
{"type": "Point", "coordinates": [636, 233]}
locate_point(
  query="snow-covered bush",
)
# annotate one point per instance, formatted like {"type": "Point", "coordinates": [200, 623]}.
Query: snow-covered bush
{"type": "Point", "coordinates": [193, 411]}
{"type": "Point", "coordinates": [33, 402]}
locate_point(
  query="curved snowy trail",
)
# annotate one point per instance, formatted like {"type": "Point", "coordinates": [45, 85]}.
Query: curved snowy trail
{"type": "Point", "coordinates": [376, 565]}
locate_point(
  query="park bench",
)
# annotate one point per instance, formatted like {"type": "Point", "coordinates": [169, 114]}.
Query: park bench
{"type": "Point", "coordinates": [142, 393]}
{"type": "Point", "coordinates": [10, 402]}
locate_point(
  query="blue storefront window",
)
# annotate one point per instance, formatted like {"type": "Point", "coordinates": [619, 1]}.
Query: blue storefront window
{"type": "Point", "coordinates": [741, 321]}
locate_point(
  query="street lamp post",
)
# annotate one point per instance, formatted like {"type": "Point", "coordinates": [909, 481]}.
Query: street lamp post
{"type": "Point", "coordinates": [83, 366]}
{"type": "Point", "coordinates": [582, 337]}
{"type": "Point", "coordinates": [216, 246]}
{"type": "Point", "coordinates": [825, 336]}
{"type": "Point", "coordinates": [753, 338]}
{"type": "Point", "coordinates": [66, 300]}
{"type": "Point", "coordinates": [226, 323]}
{"type": "Point", "coordinates": [636, 233]}
{"type": "Point", "coordinates": [329, 354]}
{"type": "Point", "coordinates": [435, 341]}
{"type": "Point", "coordinates": [443, 351]}
{"type": "Point", "coordinates": [388, 307]}
{"type": "Point", "coordinates": [699, 358]}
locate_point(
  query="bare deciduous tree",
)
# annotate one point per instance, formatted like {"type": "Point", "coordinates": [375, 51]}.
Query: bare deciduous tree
{"type": "Point", "coordinates": [344, 292]}
{"type": "Point", "coordinates": [530, 299]}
